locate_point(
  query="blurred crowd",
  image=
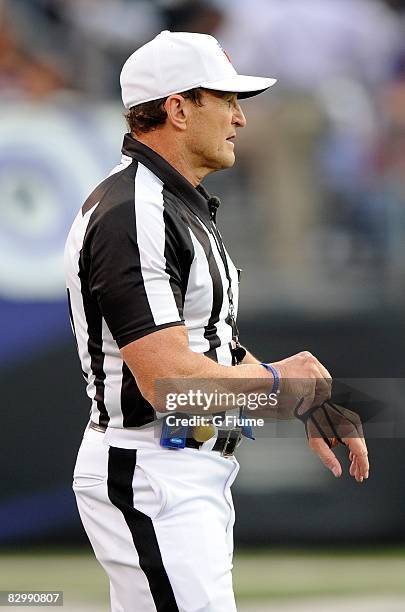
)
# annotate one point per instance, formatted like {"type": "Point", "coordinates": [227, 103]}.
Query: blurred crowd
{"type": "Point", "coordinates": [325, 153]}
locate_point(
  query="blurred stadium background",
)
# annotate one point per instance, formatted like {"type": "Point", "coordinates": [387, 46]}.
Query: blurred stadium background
{"type": "Point", "coordinates": [314, 213]}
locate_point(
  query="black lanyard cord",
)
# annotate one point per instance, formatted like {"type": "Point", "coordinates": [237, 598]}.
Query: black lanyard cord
{"type": "Point", "coordinates": [238, 352]}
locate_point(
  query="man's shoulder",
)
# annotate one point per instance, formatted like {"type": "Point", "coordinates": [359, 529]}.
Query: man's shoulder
{"type": "Point", "coordinates": [133, 195]}
{"type": "Point", "coordinates": [115, 188]}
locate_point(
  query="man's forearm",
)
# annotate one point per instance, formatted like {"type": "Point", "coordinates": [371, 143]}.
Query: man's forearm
{"type": "Point", "coordinates": [163, 363]}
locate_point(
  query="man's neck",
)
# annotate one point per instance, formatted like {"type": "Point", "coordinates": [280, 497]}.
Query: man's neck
{"type": "Point", "coordinates": [172, 153]}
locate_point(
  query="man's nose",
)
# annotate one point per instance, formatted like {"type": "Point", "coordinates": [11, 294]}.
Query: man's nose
{"type": "Point", "coordinates": [239, 118]}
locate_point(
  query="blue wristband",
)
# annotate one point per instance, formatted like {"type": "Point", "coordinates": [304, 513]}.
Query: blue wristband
{"type": "Point", "coordinates": [276, 377]}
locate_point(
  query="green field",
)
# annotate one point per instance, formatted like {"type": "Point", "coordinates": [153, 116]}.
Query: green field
{"type": "Point", "coordinates": [259, 577]}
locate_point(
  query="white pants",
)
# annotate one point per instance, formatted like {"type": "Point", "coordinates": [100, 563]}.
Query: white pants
{"type": "Point", "coordinates": [160, 522]}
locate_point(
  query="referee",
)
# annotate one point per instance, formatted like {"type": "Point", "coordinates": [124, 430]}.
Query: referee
{"type": "Point", "coordinates": [153, 295]}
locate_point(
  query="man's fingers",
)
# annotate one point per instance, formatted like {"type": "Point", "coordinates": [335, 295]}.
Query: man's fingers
{"type": "Point", "coordinates": [320, 448]}
{"type": "Point", "coordinates": [322, 391]}
{"type": "Point", "coordinates": [355, 471]}
{"type": "Point", "coordinates": [323, 386]}
{"type": "Point", "coordinates": [324, 381]}
{"type": "Point", "coordinates": [325, 372]}
{"type": "Point", "coordinates": [353, 466]}
{"type": "Point", "coordinates": [304, 404]}
{"type": "Point", "coordinates": [358, 450]}
{"type": "Point", "coordinates": [357, 446]}
{"type": "Point", "coordinates": [358, 474]}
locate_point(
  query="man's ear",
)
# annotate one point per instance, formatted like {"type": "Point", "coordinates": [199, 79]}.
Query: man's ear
{"type": "Point", "coordinates": [177, 111]}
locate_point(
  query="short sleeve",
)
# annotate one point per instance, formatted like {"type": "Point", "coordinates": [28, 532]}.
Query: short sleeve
{"type": "Point", "coordinates": [134, 272]}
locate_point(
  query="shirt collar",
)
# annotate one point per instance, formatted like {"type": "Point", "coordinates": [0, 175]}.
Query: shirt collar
{"type": "Point", "coordinates": [195, 198]}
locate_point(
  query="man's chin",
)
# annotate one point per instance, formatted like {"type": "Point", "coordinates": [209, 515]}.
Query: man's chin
{"type": "Point", "coordinates": [222, 163]}
{"type": "Point", "coordinates": [228, 161]}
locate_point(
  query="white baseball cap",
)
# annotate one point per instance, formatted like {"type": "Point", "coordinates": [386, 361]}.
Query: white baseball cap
{"type": "Point", "coordinates": [178, 61]}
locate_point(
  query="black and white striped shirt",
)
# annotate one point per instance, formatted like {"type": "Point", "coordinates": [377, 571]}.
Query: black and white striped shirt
{"type": "Point", "coordinates": [143, 254]}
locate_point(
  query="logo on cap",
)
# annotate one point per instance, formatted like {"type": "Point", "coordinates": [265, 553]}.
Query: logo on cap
{"type": "Point", "coordinates": [224, 52]}
{"type": "Point", "coordinates": [227, 56]}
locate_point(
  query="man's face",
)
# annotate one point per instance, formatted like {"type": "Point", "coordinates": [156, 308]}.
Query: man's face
{"type": "Point", "coordinates": [211, 130]}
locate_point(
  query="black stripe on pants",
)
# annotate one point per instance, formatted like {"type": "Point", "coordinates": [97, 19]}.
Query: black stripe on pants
{"type": "Point", "coordinates": [121, 468]}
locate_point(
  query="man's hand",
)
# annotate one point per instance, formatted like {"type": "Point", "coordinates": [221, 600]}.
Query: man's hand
{"type": "Point", "coordinates": [328, 425]}
{"type": "Point", "coordinates": [302, 376]}
{"type": "Point", "coordinates": [305, 381]}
